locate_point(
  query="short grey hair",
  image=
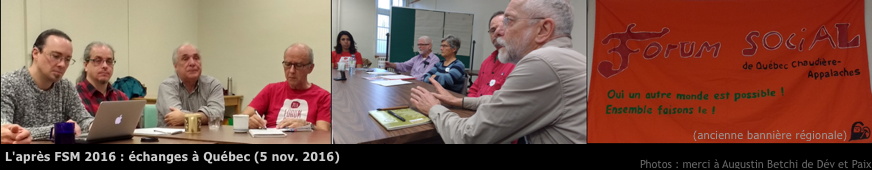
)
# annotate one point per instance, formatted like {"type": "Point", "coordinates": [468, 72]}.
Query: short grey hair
{"type": "Point", "coordinates": [307, 48]}
{"type": "Point", "coordinates": [558, 10]}
{"type": "Point", "coordinates": [87, 56]}
{"type": "Point", "coordinates": [176, 52]}
{"type": "Point", "coordinates": [426, 38]}
{"type": "Point", "coordinates": [452, 41]}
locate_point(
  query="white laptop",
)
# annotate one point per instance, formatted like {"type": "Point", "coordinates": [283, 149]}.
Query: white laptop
{"type": "Point", "coordinates": [115, 120]}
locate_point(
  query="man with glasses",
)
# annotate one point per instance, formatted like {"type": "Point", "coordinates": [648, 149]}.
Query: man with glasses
{"type": "Point", "coordinates": [544, 99]}
{"type": "Point", "coordinates": [99, 61]}
{"type": "Point", "coordinates": [421, 64]}
{"type": "Point", "coordinates": [188, 91]}
{"type": "Point", "coordinates": [493, 73]}
{"type": "Point", "coordinates": [36, 97]}
{"type": "Point", "coordinates": [295, 102]}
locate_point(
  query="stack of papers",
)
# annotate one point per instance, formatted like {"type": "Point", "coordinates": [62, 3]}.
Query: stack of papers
{"type": "Point", "coordinates": [390, 82]}
{"type": "Point", "coordinates": [379, 71]}
{"type": "Point", "coordinates": [157, 131]}
{"type": "Point", "coordinates": [299, 129]}
{"type": "Point", "coordinates": [398, 77]}
{"type": "Point", "coordinates": [266, 133]}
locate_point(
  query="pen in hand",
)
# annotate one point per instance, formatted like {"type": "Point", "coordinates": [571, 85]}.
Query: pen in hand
{"type": "Point", "coordinates": [263, 126]}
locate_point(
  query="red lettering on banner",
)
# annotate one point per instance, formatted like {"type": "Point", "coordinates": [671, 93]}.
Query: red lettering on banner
{"type": "Point", "coordinates": [605, 67]}
{"type": "Point", "coordinates": [685, 49]}
{"type": "Point", "coordinates": [842, 30]}
{"type": "Point", "coordinates": [822, 34]}
{"type": "Point", "coordinates": [819, 37]}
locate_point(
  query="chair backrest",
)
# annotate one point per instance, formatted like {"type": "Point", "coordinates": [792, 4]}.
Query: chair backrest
{"type": "Point", "coordinates": [149, 116]}
{"type": "Point", "coordinates": [366, 63]}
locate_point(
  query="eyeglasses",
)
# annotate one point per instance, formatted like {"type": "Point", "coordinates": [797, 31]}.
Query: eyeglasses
{"type": "Point", "coordinates": [423, 44]}
{"type": "Point", "coordinates": [110, 62]}
{"type": "Point", "coordinates": [492, 30]}
{"type": "Point", "coordinates": [297, 66]}
{"type": "Point", "coordinates": [509, 21]}
{"type": "Point", "coordinates": [56, 58]}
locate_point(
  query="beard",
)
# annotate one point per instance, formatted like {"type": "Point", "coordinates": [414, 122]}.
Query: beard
{"type": "Point", "coordinates": [511, 52]}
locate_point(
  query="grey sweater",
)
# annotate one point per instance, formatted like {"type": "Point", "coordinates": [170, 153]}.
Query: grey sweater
{"type": "Point", "coordinates": [37, 110]}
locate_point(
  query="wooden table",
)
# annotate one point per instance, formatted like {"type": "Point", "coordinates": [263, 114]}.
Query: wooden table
{"type": "Point", "coordinates": [356, 96]}
{"type": "Point", "coordinates": [229, 101]}
{"type": "Point", "coordinates": [225, 135]}
{"type": "Point", "coordinates": [136, 140]}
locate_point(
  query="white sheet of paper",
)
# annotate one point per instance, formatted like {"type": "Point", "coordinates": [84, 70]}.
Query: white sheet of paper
{"type": "Point", "coordinates": [398, 77]}
{"type": "Point", "coordinates": [390, 82]}
{"type": "Point", "coordinates": [157, 131]}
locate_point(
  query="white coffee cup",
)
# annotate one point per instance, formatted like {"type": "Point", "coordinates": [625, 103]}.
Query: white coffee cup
{"type": "Point", "coordinates": [240, 123]}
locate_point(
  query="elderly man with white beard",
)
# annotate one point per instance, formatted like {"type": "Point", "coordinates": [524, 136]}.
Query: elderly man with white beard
{"type": "Point", "coordinates": [543, 101]}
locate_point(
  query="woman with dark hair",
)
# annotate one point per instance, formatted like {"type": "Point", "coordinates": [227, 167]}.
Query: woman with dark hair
{"type": "Point", "coordinates": [345, 48]}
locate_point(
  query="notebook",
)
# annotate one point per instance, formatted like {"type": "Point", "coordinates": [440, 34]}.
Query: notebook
{"type": "Point", "coordinates": [412, 117]}
{"type": "Point", "coordinates": [116, 120]}
{"type": "Point", "coordinates": [266, 133]}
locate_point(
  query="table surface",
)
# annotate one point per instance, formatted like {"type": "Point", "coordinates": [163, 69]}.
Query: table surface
{"type": "Point", "coordinates": [136, 140]}
{"type": "Point", "coordinates": [226, 135]}
{"type": "Point", "coordinates": [356, 96]}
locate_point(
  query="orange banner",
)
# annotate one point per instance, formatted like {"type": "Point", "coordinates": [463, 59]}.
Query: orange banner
{"type": "Point", "coordinates": [730, 71]}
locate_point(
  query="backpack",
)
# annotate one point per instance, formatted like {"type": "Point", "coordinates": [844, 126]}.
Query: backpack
{"type": "Point", "coordinates": [130, 86]}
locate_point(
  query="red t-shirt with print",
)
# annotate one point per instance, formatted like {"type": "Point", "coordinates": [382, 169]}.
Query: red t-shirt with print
{"type": "Point", "coordinates": [335, 57]}
{"type": "Point", "coordinates": [278, 101]}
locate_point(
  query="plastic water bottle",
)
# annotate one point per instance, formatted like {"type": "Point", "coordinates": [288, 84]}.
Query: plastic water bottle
{"type": "Point", "coordinates": [381, 62]}
{"type": "Point", "coordinates": [353, 63]}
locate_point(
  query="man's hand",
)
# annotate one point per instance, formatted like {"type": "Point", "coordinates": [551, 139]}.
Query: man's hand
{"type": "Point", "coordinates": [14, 134]}
{"type": "Point", "coordinates": [292, 123]}
{"type": "Point", "coordinates": [6, 135]}
{"type": "Point", "coordinates": [390, 65]}
{"type": "Point", "coordinates": [423, 100]}
{"type": "Point", "coordinates": [444, 96]}
{"type": "Point", "coordinates": [256, 122]}
{"type": "Point", "coordinates": [175, 118]}
{"type": "Point", "coordinates": [78, 128]}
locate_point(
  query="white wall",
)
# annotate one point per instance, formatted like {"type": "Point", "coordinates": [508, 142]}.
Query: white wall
{"type": "Point", "coordinates": [246, 40]}
{"type": "Point", "coordinates": [12, 46]}
{"type": "Point", "coordinates": [359, 18]}
{"type": "Point", "coordinates": [85, 21]}
{"type": "Point", "coordinates": [157, 27]}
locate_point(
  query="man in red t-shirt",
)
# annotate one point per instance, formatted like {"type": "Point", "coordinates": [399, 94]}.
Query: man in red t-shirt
{"type": "Point", "coordinates": [295, 102]}
{"type": "Point", "coordinates": [493, 73]}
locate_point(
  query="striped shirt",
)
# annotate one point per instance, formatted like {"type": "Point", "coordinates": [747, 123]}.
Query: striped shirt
{"type": "Point", "coordinates": [451, 77]}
